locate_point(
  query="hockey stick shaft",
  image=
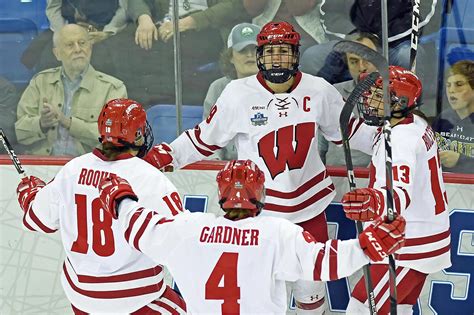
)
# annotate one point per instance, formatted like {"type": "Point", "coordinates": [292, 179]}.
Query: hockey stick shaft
{"type": "Point", "coordinates": [387, 131]}
{"type": "Point", "coordinates": [344, 118]}
{"type": "Point", "coordinates": [415, 34]}
{"type": "Point", "coordinates": [8, 147]}
{"type": "Point", "coordinates": [382, 66]}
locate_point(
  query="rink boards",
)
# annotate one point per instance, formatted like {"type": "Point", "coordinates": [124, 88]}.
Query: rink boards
{"type": "Point", "coordinates": [31, 263]}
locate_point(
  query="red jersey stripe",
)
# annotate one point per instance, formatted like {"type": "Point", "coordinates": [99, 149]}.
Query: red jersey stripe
{"type": "Point", "coordinates": [308, 202]}
{"type": "Point", "coordinates": [427, 239]}
{"type": "Point", "coordinates": [38, 222]}
{"type": "Point", "coordinates": [122, 277]}
{"type": "Point", "coordinates": [300, 190]}
{"type": "Point", "coordinates": [424, 255]}
{"type": "Point", "coordinates": [333, 260]}
{"type": "Point", "coordinates": [116, 294]}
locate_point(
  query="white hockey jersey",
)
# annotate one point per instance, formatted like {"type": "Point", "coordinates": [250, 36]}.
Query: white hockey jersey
{"type": "Point", "coordinates": [101, 272]}
{"type": "Point", "coordinates": [419, 194]}
{"type": "Point", "coordinates": [236, 267]}
{"type": "Point", "coordinates": [279, 132]}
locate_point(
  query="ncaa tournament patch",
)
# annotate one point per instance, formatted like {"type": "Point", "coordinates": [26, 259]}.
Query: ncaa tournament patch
{"type": "Point", "coordinates": [259, 119]}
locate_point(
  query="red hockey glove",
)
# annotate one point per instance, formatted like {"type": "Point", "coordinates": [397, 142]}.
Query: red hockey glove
{"type": "Point", "coordinates": [160, 157]}
{"type": "Point", "coordinates": [363, 204]}
{"type": "Point", "coordinates": [112, 190]}
{"type": "Point", "coordinates": [383, 238]}
{"type": "Point", "coordinates": [27, 190]}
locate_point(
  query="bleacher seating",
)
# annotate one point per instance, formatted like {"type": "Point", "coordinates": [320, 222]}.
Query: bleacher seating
{"type": "Point", "coordinates": [162, 118]}
{"type": "Point", "coordinates": [15, 36]}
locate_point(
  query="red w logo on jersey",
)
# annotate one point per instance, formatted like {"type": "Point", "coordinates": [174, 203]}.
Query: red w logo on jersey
{"type": "Point", "coordinates": [292, 146]}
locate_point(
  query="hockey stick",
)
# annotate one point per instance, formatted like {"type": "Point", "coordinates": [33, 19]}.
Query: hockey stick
{"type": "Point", "coordinates": [382, 67]}
{"type": "Point", "coordinates": [8, 147]}
{"type": "Point", "coordinates": [415, 35]}
{"type": "Point", "coordinates": [344, 118]}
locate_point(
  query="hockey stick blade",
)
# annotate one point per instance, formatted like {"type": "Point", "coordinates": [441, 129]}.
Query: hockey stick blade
{"type": "Point", "coordinates": [352, 100]}
{"type": "Point", "coordinates": [344, 118]}
{"type": "Point", "coordinates": [8, 147]}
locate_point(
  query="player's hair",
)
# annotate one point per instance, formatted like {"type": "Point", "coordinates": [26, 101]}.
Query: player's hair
{"type": "Point", "coordinates": [238, 213]}
{"type": "Point", "coordinates": [465, 68]}
{"type": "Point", "coordinates": [111, 151]}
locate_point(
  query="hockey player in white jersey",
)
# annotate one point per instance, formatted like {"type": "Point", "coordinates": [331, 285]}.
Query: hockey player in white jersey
{"type": "Point", "coordinates": [238, 264]}
{"type": "Point", "coordinates": [274, 118]}
{"type": "Point", "coordinates": [101, 272]}
{"type": "Point", "coordinates": [419, 194]}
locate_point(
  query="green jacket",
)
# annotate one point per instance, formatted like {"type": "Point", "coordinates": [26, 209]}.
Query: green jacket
{"type": "Point", "coordinates": [221, 14]}
{"type": "Point", "coordinates": [95, 90]}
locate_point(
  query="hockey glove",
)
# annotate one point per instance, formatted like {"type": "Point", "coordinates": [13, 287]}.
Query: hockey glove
{"type": "Point", "coordinates": [27, 190]}
{"type": "Point", "coordinates": [383, 238]}
{"type": "Point", "coordinates": [363, 204]}
{"type": "Point", "coordinates": [112, 190]}
{"type": "Point", "coordinates": [160, 157]}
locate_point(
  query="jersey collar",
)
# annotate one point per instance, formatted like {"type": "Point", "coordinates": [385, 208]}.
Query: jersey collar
{"type": "Point", "coordinates": [97, 152]}
{"type": "Point", "coordinates": [408, 120]}
{"type": "Point", "coordinates": [297, 80]}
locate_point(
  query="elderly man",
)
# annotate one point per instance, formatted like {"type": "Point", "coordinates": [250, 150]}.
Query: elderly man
{"type": "Point", "coordinates": [57, 113]}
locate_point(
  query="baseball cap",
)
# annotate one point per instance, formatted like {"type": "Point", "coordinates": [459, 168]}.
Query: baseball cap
{"type": "Point", "coordinates": [242, 35]}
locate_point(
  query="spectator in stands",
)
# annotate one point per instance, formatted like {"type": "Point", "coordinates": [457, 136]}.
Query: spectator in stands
{"type": "Point", "coordinates": [303, 14]}
{"type": "Point", "coordinates": [454, 127]}
{"type": "Point", "coordinates": [329, 152]}
{"type": "Point", "coordinates": [101, 19]}
{"type": "Point", "coordinates": [203, 25]}
{"type": "Point", "coordinates": [58, 111]}
{"type": "Point", "coordinates": [364, 16]}
{"type": "Point", "coordinates": [236, 61]}
{"type": "Point", "coordinates": [8, 101]}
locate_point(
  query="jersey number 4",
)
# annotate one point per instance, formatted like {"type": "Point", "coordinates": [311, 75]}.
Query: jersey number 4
{"type": "Point", "coordinates": [225, 273]}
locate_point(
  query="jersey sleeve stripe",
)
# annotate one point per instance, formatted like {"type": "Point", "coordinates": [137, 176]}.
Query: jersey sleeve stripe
{"type": "Point", "coordinates": [416, 256]}
{"type": "Point", "coordinates": [114, 294]}
{"type": "Point", "coordinates": [122, 277]}
{"type": "Point", "coordinates": [38, 222]}
{"type": "Point", "coordinates": [318, 264]}
{"type": "Point", "coordinates": [134, 218]}
{"type": "Point", "coordinates": [138, 235]}
{"type": "Point", "coordinates": [201, 151]}
{"type": "Point", "coordinates": [308, 202]}
{"type": "Point", "coordinates": [197, 133]}
{"type": "Point", "coordinates": [162, 306]}
{"type": "Point", "coordinates": [300, 190]}
{"type": "Point", "coordinates": [26, 224]}
{"type": "Point", "coordinates": [333, 260]}
{"type": "Point", "coordinates": [427, 239]}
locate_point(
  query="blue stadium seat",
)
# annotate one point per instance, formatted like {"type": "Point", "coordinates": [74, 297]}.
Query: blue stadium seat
{"type": "Point", "coordinates": [162, 118]}
{"type": "Point", "coordinates": [15, 36]}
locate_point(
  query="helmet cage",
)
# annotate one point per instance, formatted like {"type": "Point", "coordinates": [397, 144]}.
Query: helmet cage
{"type": "Point", "coordinates": [280, 74]}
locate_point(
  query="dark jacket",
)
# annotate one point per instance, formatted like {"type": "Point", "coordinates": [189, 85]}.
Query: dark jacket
{"type": "Point", "coordinates": [220, 14]}
{"type": "Point", "coordinates": [98, 13]}
{"type": "Point", "coordinates": [343, 16]}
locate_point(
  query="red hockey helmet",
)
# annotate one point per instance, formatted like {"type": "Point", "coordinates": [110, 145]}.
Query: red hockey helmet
{"type": "Point", "coordinates": [405, 91]}
{"type": "Point", "coordinates": [241, 186]}
{"type": "Point", "coordinates": [122, 122]}
{"type": "Point", "coordinates": [274, 33]}
{"type": "Point", "coordinates": [278, 34]}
